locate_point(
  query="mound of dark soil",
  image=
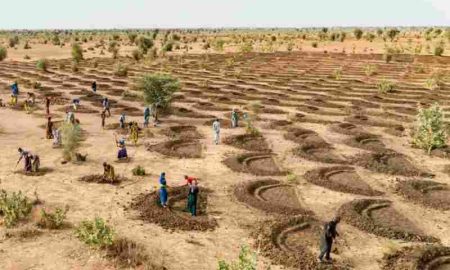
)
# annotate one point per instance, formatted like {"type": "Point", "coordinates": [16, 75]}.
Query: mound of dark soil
{"type": "Point", "coordinates": [80, 109]}
{"type": "Point", "coordinates": [278, 124]}
{"type": "Point", "coordinates": [388, 162]}
{"type": "Point", "coordinates": [340, 178]}
{"type": "Point", "coordinates": [224, 123]}
{"type": "Point", "coordinates": [42, 171]}
{"type": "Point", "coordinates": [398, 131]}
{"type": "Point", "coordinates": [429, 257]}
{"type": "Point", "coordinates": [429, 193]}
{"type": "Point", "coordinates": [271, 196]}
{"type": "Point", "coordinates": [248, 142]}
{"type": "Point", "coordinates": [317, 151]}
{"type": "Point", "coordinates": [254, 163]}
{"type": "Point", "coordinates": [378, 217]}
{"type": "Point", "coordinates": [178, 148]}
{"type": "Point", "coordinates": [288, 242]}
{"type": "Point", "coordinates": [345, 128]}
{"type": "Point", "coordinates": [174, 217]}
{"type": "Point", "coordinates": [182, 132]}
{"type": "Point", "coordinates": [183, 112]}
{"type": "Point", "coordinates": [303, 136]}
{"type": "Point", "coordinates": [366, 141]}
{"type": "Point", "coordinates": [100, 179]}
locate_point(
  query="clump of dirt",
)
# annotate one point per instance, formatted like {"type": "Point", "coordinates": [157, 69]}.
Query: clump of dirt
{"type": "Point", "coordinates": [340, 178]}
{"type": "Point", "coordinates": [261, 164]}
{"type": "Point", "coordinates": [429, 257]}
{"type": "Point", "coordinates": [303, 136]}
{"type": "Point", "coordinates": [127, 253]}
{"type": "Point", "coordinates": [277, 124]}
{"type": "Point", "coordinates": [429, 193]}
{"type": "Point", "coordinates": [174, 217]}
{"type": "Point", "coordinates": [345, 128]}
{"type": "Point", "coordinates": [398, 131]}
{"type": "Point", "coordinates": [224, 123]}
{"type": "Point", "coordinates": [378, 217]}
{"type": "Point", "coordinates": [271, 196]}
{"type": "Point", "coordinates": [317, 151]}
{"type": "Point", "coordinates": [100, 179]}
{"type": "Point", "coordinates": [178, 148]}
{"type": "Point", "coordinates": [183, 112]}
{"type": "Point", "coordinates": [42, 171]}
{"type": "Point", "coordinates": [388, 162]}
{"type": "Point", "coordinates": [182, 132]}
{"type": "Point", "coordinates": [248, 142]}
{"type": "Point", "coordinates": [366, 141]}
{"type": "Point", "coordinates": [80, 109]}
{"type": "Point", "coordinates": [288, 242]}
{"type": "Point", "coordinates": [443, 152]}
{"type": "Point", "coordinates": [365, 120]}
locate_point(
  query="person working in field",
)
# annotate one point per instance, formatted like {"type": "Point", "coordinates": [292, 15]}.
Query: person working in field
{"type": "Point", "coordinates": [146, 116]}
{"type": "Point", "coordinates": [327, 238]}
{"type": "Point", "coordinates": [94, 86]}
{"type": "Point", "coordinates": [192, 198]}
{"type": "Point", "coordinates": [47, 105]}
{"type": "Point", "coordinates": [36, 163]}
{"type": "Point", "coordinates": [216, 129]}
{"type": "Point", "coordinates": [106, 106]}
{"type": "Point", "coordinates": [31, 97]}
{"type": "Point", "coordinates": [14, 94]}
{"type": "Point", "coordinates": [103, 116]}
{"type": "Point", "coordinates": [134, 132]}
{"type": "Point", "coordinates": [49, 128]}
{"type": "Point", "coordinates": [56, 137]}
{"type": "Point", "coordinates": [122, 153]}
{"type": "Point", "coordinates": [75, 103]}
{"type": "Point", "coordinates": [108, 172]}
{"type": "Point", "coordinates": [163, 195]}
{"type": "Point", "coordinates": [234, 118]}
{"type": "Point", "coordinates": [122, 121]}
{"type": "Point", "coordinates": [26, 156]}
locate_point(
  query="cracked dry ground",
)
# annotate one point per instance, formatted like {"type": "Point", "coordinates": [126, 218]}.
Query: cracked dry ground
{"type": "Point", "coordinates": [309, 122]}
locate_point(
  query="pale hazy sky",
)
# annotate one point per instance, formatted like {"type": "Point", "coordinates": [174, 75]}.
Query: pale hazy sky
{"type": "Point", "coordinates": [38, 14]}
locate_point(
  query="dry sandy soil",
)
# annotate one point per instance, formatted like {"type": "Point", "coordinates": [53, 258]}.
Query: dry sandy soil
{"type": "Point", "coordinates": [254, 199]}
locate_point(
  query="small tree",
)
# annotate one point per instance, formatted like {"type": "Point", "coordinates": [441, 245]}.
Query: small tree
{"type": "Point", "coordinates": [42, 64]}
{"type": "Point", "coordinates": [430, 132]}
{"type": "Point", "coordinates": [95, 233]}
{"type": "Point", "coordinates": [70, 139]}
{"type": "Point", "coordinates": [136, 54]}
{"type": "Point", "coordinates": [337, 73]}
{"type": "Point", "coordinates": [144, 44]}
{"type": "Point", "coordinates": [248, 260]}
{"type": "Point", "coordinates": [358, 33]}
{"type": "Point", "coordinates": [3, 53]}
{"type": "Point", "coordinates": [392, 33]}
{"type": "Point", "coordinates": [439, 49]}
{"type": "Point", "coordinates": [77, 52]}
{"type": "Point", "coordinates": [14, 207]}
{"type": "Point", "coordinates": [158, 89]}
{"type": "Point", "coordinates": [132, 37]}
{"type": "Point", "coordinates": [53, 220]}
{"type": "Point", "coordinates": [113, 49]}
{"type": "Point", "coordinates": [120, 70]}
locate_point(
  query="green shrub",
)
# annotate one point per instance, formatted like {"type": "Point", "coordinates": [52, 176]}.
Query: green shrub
{"type": "Point", "coordinates": [248, 260]}
{"type": "Point", "coordinates": [358, 33]}
{"type": "Point", "coordinates": [55, 40]}
{"type": "Point", "coordinates": [430, 132]}
{"type": "Point", "coordinates": [384, 86]}
{"type": "Point", "coordinates": [370, 69]}
{"type": "Point", "coordinates": [53, 220]}
{"type": "Point", "coordinates": [438, 50]}
{"type": "Point", "coordinates": [168, 46]}
{"type": "Point", "coordinates": [139, 170]}
{"type": "Point", "coordinates": [246, 47]}
{"type": "Point", "coordinates": [3, 53]}
{"type": "Point", "coordinates": [132, 37]}
{"type": "Point", "coordinates": [13, 41]}
{"type": "Point", "coordinates": [137, 54]}
{"type": "Point", "coordinates": [113, 49]}
{"type": "Point", "coordinates": [158, 89]}
{"type": "Point", "coordinates": [144, 44]}
{"type": "Point", "coordinates": [95, 233]}
{"type": "Point", "coordinates": [337, 73]}
{"type": "Point", "coordinates": [77, 52]}
{"type": "Point", "coordinates": [42, 64]}
{"type": "Point", "coordinates": [120, 70]}
{"type": "Point", "coordinates": [218, 45]}
{"type": "Point", "coordinates": [26, 46]}
{"type": "Point", "coordinates": [392, 33]}
{"type": "Point", "coordinates": [70, 139]}
{"type": "Point", "coordinates": [14, 207]}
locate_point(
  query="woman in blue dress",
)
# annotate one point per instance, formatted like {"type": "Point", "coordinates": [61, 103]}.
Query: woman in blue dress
{"type": "Point", "coordinates": [163, 190]}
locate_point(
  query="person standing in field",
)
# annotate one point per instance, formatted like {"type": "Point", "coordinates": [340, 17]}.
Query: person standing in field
{"type": "Point", "coordinates": [103, 116]}
{"type": "Point", "coordinates": [106, 106]}
{"type": "Point", "coordinates": [94, 86]}
{"type": "Point", "coordinates": [146, 116]}
{"type": "Point", "coordinates": [14, 93]}
{"type": "Point", "coordinates": [216, 129]}
{"type": "Point", "coordinates": [192, 198]}
{"type": "Point", "coordinates": [122, 121]}
{"type": "Point", "coordinates": [163, 195]}
{"type": "Point", "coordinates": [234, 118]}
{"type": "Point", "coordinates": [47, 105]}
{"type": "Point", "coordinates": [327, 238]}
{"type": "Point", "coordinates": [49, 128]}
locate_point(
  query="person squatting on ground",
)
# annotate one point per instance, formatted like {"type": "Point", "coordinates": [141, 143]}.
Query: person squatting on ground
{"type": "Point", "coordinates": [163, 195]}
{"type": "Point", "coordinates": [25, 155]}
{"type": "Point", "coordinates": [36, 163]}
{"type": "Point", "coordinates": [327, 237]}
{"type": "Point", "coordinates": [122, 121]}
{"type": "Point", "coordinates": [31, 97]}
{"type": "Point", "coordinates": [134, 132]}
{"type": "Point", "coordinates": [106, 106]}
{"type": "Point", "coordinates": [146, 116]}
{"type": "Point", "coordinates": [49, 128]}
{"type": "Point", "coordinates": [108, 172]}
{"type": "Point", "coordinates": [122, 153]}
{"type": "Point", "coordinates": [216, 129]}
{"type": "Point", "coordinates": [103, 116]}
{"type": "Point", "coordinates": [192, 198]}
{"type": "Point", "coordinates": [234, 119]}
{"type": "Point", "coordinates": [14, 94]}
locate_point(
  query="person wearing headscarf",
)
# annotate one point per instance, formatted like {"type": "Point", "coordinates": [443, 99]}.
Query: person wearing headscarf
{"type": "Point", "coordinates": [163, 195]}
{"type": "Point", "coordinates": [192, 198]}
